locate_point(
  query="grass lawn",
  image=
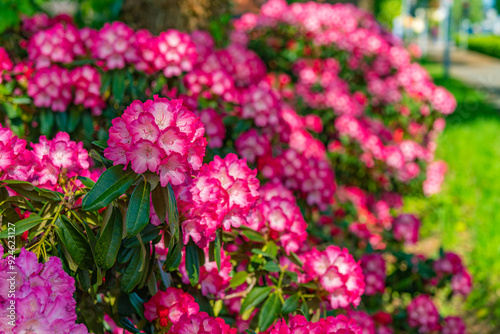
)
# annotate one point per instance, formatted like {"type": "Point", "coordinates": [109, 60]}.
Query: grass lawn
{"type": "Point", "coordinates": [465, 216]}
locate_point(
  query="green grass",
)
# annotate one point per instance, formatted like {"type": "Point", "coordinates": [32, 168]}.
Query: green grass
{"type": "Point", "coordinates": [465, 216]}
{"type": "Point", "coordinates": [486, 44]}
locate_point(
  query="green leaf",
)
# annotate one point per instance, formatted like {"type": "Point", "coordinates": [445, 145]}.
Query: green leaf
{"type": "Point", "coordinates": [218, 247]}
{"type": "Point", "coordinates": [62, 121]}
{"type": "Point", "coordinates": [304, 308]}
{"type": "Point", "coordinates": [238, 279]}
{"type": "Point", "coordinates": [112, 184]}
{"type": "Point", "coordinates": [149, 233]}
{"type": "Point", "coordinates": [100, 143]}
{"type": "Point", "coordinates": [97, 156]}
{"type": "Point", "coordinates": [46, 122]}
{"type": "Point", "coordinates": [253, 236]}
{"type": "Point", "coordinates": [74, 118]}
{"type": "Point", "coordinates": [138, 209]}
{"type": "Point", "coordinates": [272, 267]}
{"type": "Point", "coordinates": [75, 242]}
{"type": "Point", "coordinates": [160, 202]}
{"type": "Point", "coordinates": [87, 182]}
{"type": "Point", "coordinates": [124, 322]}
{"type": "Point", "coordinates": [132, 274]}
{"type": "Point", "coordinates": [291, 304]}
{"type": "Point", "coordinates": [173, 213]}
{"type": "Point", "coordinates": [256, 296]}
{"type": "Point", "coordinates": [137, 303]}
{"type": "Point", "coordinates": [192, 263]}
{"type": "Point", "coordinates": [108, 244]}
{"type": "Point", "coordinates": [23, 226]}
{"type": "Point", "coordinates": [118, 85]}
{"type": "Point", "coordinates": [269, 311]}
{"type": "Point", "coordinates": [173, 257]}
{"type": "Point", "coordinates": [21, 100]}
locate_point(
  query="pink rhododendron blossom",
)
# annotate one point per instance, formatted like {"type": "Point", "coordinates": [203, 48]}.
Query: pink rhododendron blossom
{"type": "Point", "coordinates": [176, 53]}
{"type": "Point", "coordinates": [86, 81]}
{"type": "Point", "coordinates": [250, 145]}
{"type": "Point", "coordinates": [15, 159]}
{"type": "Point", "coordinates": [44, 299]}
{"type": "Point", "coordinates": [59, 44]}
{"type": "Point", "coordinates": [5, 65]}
{"type": "Point", "coordinates": [338, 273]}
{"type": "Point", "coordinates": [201, 323]}
{"type": "Point", "coordinates": [167, 307]}
{"type": "Point", "coordinates": [212, 280]}
{"type": "Point", "coordinates": [423, 315]}
{"type": "Point", "coordinates": [115, 44]}
{"type": "Point", "coordinates": [406, 228]}
{"type": "Point", "coordinates": [277, 214]}
{"type": "Point", "coordinates": [453, 325]}
{"type": "Point", "coordinates": [364, 321]}
{"type": "Point", "coordinates": [373, 266]}
{"type": "Point", "coordinates": [51, 88]}
{"type": "Point", "coordinates": [220, 196]}
{"type": "Point", "coordinates": [435, 177]}
{"type": "Point", "coordinates": [214, 127]}
{"type": "Point", "coordinates": [332, 325]}
{"type": "Point", "coordinates": [159, 135]}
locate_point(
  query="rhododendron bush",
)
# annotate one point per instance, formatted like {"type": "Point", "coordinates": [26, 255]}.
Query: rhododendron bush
{"type": "Point", "coordinates": [254, 186]}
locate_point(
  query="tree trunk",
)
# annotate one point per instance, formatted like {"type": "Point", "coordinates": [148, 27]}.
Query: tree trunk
{"type": "Point", "coordinates": [160, 15]}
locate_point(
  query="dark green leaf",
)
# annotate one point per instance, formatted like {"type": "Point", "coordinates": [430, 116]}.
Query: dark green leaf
{"type": "Point", "coordinates": [269, 311]}
{"type": "Point", "coordinates": [62, 121]}
{"type": "Point", "coordinates": [132, 274]}
{"type": "Point", "coordinates": [138, 209]}
{"type": "Point", "coordinates": [118, 85]}
{"type": "Point", "coordinates": [87, 182]}
{"type": "Point", "coordinates": [192, 263]}
{"type": "Point", "coordinates": [23, 226]}
{"type": "Point", "coordinates": [160, 202]}
{"type": "Point", "coordinates": [97, 156]}
{"type": "Point", "coordinates": [291, 304]}
{"type": "Point", "coordinates": [173, 213]}
{"type": "Point", "coordinates": [256, 296]}
{"type": "Point", "coordinates": [100, 143]}
{"type": "Point", "coordinates": [137, 303]}
{"type": "Point", "coordinates": [272, 267]}
{"type": "Point", "coordinates": [73, 119]}
{"type": "Point", "coordinates": [109, 241]}
{"type": "Point", "coordinates": [218, 247]}
{"type": "Point", "coordinates": [253, 236]}
{"type": "Point", "coordinates": [112, 184]}
{"type": "Point", "coordinates": [75, 242]}
{"type": "Point", "coordinates": [128, 325]}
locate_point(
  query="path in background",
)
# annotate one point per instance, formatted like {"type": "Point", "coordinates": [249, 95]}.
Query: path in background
{"type": "Point", "coordinates": [475, 69]}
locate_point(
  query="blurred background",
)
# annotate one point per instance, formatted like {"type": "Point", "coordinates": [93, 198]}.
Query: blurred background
{"type": "Point", "coordinates": [460, 45]}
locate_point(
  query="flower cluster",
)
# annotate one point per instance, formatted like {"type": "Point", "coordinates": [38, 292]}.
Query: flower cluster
{"type": "Point", "coordinates": [277, 214]}
{"type": "Point", "coordinates": [451, 265]}
{"type": "Point", "coordinates": [86, 82]}
{"type": "Point", "coordinates": [5, 64]}
{"type": "Point", "coordinates": [423, 315]}
{"type": "Point", "coordinates": [338, 273]}
{"type": "Point", "coordinates": [406, 228]}
{"type": "Point", "coordinates": [160, 136]}
{"type": "Point", "coordinates": [373, 266]}
{"type": "Point", "coordinates": [201, 323]}
{"type": "Point", "coordinates": [220, 196]}
{"type": "Point", "coordinates": [15, 158]}
{"type": "Point", "coordinates": [60, 43]}
{"type": "Point", "coordinates": [167, 307]}
{"type": "Point", "coordinates": [331, 325]}
{"type": "Point", "coordinates": [43, 299]}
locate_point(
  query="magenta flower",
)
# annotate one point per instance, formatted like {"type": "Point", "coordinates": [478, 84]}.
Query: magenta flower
{"type": "Point", "coordinates": [51, 88]}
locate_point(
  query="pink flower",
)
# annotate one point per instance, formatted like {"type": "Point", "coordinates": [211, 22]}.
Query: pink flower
{"type": "Point", "coordinates": [220, 196]}
{"type": "Point", "coordinates": [406, 228]}
{"type": "Point", "coordinates": [453, 325]}
{"type": "Point", "coordinates": [338, 274]}
{"type": "Point", "coordinates": [86, 81]}
{"type": "Point", "coordinates": [212, 280]}
{"type": "Point", "coordinates": [434, 177]}
{"type": "Point", "coordinates": [443, 101]}
{"type": "Point", "coordinates": [423, 315]}
{"type": "Point", "coordinates": [332, 325]}
{"type": "Point", "coordinates": [160, 136]}
{"type": "Point", "coordinates": [200, 323]}
{"type": "Point", "coordinates": [115, 44]}
{"type": "Point", "coordinates": [364, 321]}
{"type": "Point", "coordinates": [5, 64]}
{"type": "Point", "coordinates": [461, 283]}
{"type": "Point", "coordinates": [169, 306]}
{"type": "Point", "coordinates": [214, 127]}
{"type": "Point", "coordinates": [250, 145]}
{"type": "Point", "coordinates": [44, 295]}
{"type": "Point", "coordinates": [176, 53]}
{"type": "Point", "coordinates": [51, 88]}
{"type": "Point", "coordinates": [59, 44]}
{"type": "Point", "coordinates": [277, 214]}
{"type": "Point", "coordinates": [373, 266]}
